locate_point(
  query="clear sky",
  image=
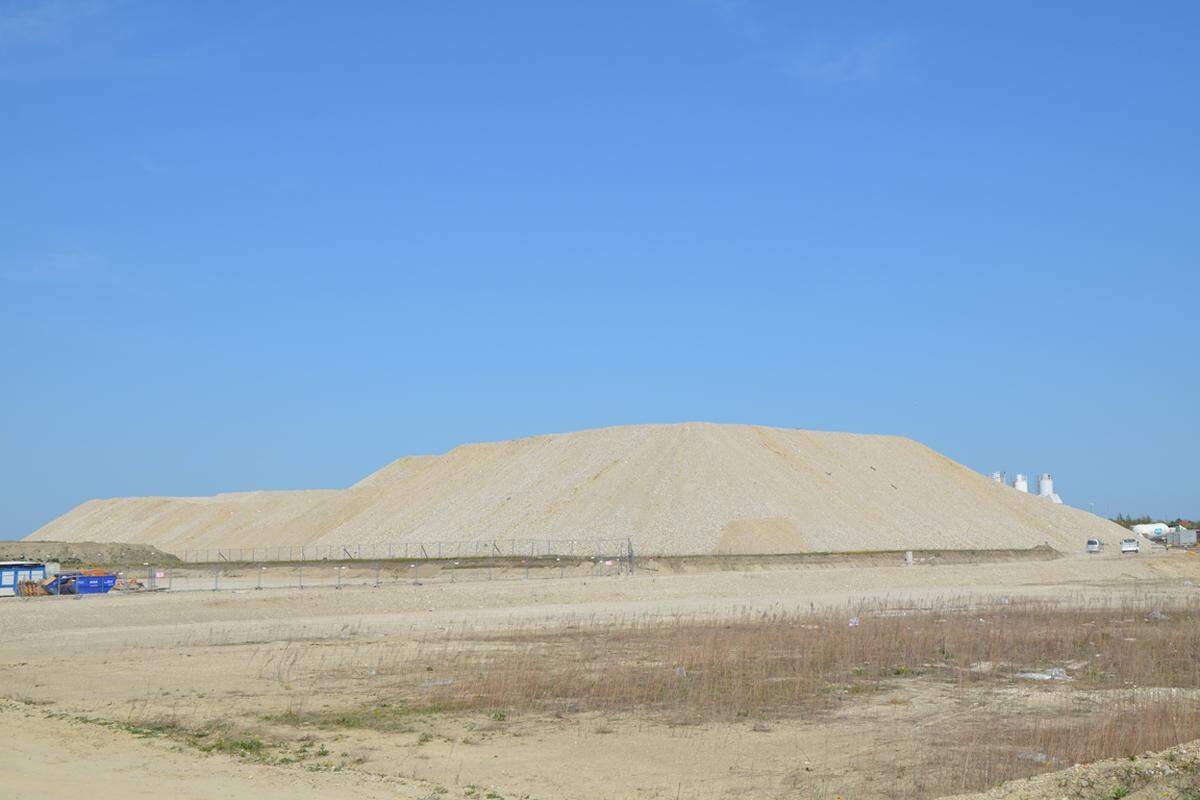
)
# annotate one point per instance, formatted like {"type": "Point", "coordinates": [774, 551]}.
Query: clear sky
{"type": "Point", "coordinates": [279, 244]}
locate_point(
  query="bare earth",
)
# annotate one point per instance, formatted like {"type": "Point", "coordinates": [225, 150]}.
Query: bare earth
{"type": "Point", "coordinates": [87, 681]}
{"type": "Point", "coordinates": [691, 489]}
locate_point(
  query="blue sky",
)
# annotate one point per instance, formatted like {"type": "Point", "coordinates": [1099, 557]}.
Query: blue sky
{"type": "Point", "coordinates": [277, 245]}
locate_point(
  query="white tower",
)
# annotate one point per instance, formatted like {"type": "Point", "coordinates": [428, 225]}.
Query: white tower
{"type": "Point", "coordinates": [1021, 483]}
{"type": "Point", "coordinates": [1046, 488]}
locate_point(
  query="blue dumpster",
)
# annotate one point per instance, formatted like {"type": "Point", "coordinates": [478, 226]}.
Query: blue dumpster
{"type": "Point", "coordinates": [79, 583]}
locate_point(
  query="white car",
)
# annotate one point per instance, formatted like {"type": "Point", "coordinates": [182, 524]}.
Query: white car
{"type": "Point", "coordinates": [1130, 546]}
{"type": "Point", "coordinates": [1094, 545]}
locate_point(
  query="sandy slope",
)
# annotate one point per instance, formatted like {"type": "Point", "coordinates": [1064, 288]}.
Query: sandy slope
{"type": "Point", "coordinates": [64, 758]}
{"type": "Point", "coordinates": [695, 488]}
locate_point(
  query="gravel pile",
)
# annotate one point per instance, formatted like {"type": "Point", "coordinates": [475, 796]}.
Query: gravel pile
{"type": "Point", "coordinates": [693, 488]}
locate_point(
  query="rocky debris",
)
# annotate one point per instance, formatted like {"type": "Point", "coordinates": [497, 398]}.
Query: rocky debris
{"type": "Point", "coordinates": [1052, 674]}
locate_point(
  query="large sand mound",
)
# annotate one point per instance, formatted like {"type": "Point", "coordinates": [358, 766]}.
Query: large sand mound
{"type": "Point", "coordinates": [684, 489]}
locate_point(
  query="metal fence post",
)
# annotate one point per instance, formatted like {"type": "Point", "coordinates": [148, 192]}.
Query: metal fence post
{"type": "Point", "coordinates": [617, 553]}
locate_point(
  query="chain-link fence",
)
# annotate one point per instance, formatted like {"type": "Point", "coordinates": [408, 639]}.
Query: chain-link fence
{"type": "Point", "coordinates": [387, 551]}
{"type": "Point", "coordinates": [369, 565]}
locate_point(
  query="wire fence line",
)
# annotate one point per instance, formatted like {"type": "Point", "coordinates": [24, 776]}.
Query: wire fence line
{"type": "Point", "coordinates": [381, 573]}
{"type": "Point", "coordinates": [389, 551]}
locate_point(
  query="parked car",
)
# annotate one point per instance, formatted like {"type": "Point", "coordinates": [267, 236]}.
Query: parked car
{"type": "Point", "coordinates": [1130, 546]}
{"type": "Point", "coordinates": [1094, 545]}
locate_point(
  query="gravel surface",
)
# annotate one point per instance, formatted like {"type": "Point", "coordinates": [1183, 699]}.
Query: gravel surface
{"type": "Point", "coordinates": [693, 488]}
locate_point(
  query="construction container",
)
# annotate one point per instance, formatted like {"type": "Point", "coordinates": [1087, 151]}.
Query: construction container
{"type": "Point", "coordinates": [81, 583]}
{"type": "Point", "coordinates": [1181, 537]}
{"type": "Point", "coordinates": [13, 573]}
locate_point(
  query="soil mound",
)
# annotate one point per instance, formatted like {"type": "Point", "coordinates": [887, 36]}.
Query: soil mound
{"type": "Point", "coordinates": [688, 489]}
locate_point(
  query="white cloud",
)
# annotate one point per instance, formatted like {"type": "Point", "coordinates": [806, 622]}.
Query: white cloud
{"type": "Point", "coordinates": [45, 21]}
{"type": "Point", "coordinates": [812, 58]}
{"type": "Point", "coordinates": [853, 62]}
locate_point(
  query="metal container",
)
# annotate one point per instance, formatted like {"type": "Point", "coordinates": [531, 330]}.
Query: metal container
{"type": "Point", "coordinates": [78, 583]}
{"type": "Point", "coordinates": [1181, 537]}
{"type": "Point", "coordinates": [13, 573]}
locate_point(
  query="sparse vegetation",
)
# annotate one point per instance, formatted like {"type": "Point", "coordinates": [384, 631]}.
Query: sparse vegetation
{"type": "Point", "coordinates": [789, 664]}
{"type": "Point", "coordinates": [1129, 679]}
{"type": "Point", "coordinates": [936, 693]}
{"type": "Point", "coordinates": [395, 717]}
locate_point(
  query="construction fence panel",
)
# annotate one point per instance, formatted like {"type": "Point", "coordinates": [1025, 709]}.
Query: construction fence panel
{"type": "Point", "coordinates": [469, 562]}
{"type": "Point", "coordinates": [435, 550]}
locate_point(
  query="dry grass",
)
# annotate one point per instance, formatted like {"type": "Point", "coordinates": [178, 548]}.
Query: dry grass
{"type": "Point", "coordinates": [787, 664]}
{"type": "Point", "coordinates": [997, 749]}
{"type": "Point", "coordinates": [1133, 681]}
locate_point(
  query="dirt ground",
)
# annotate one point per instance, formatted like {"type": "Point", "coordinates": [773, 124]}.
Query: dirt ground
{"type": "Point", "coordinates": [199, 694]}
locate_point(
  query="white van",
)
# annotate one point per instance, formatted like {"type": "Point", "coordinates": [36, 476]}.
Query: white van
{"type": "Point", "coordinates": [1130, 546]}
{"type": "Point", "coordinates": [1094, 545]}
